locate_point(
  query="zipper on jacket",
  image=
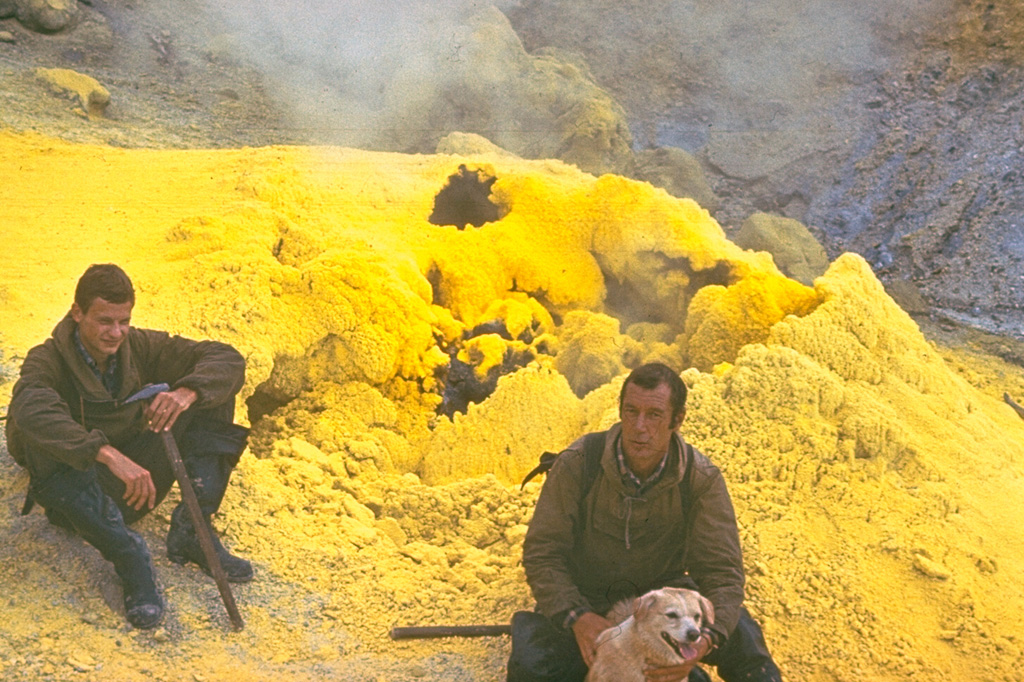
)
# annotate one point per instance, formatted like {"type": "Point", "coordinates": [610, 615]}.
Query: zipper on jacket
{"type": "Point", "coordinates": [629, 514]}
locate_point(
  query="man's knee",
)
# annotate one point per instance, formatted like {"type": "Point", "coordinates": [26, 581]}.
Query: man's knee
{"type": "Point", "coordinates": [543, 652]}
{"type": "Point", "coordinates": [68, 490]}
{"type": "Point", "coordinates": [744, 657]}
{"type": "Point", "coordinates": [74, 500]}
{"type": "Point", "coordinates": [213, 433]}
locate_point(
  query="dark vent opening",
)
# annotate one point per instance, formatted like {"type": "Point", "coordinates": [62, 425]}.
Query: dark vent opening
{"type": "Point", "coordinates": [465, 200]}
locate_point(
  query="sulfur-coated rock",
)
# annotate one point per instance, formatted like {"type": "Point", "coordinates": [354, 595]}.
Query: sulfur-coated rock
{"type": "Point", "coordinates": [466, 144]}
{"type": "Point", "coordinates": [93, 97]}
{"type": "Point", "coordinates": [795, 250]}
{"type": "Point", "coordinates": [677, 172]}
{"type": "Point", "coordinates": [45, 16]}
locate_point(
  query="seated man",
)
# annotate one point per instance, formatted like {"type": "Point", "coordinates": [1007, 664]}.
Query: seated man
{"type": "Point", "coordinates": [96, 460]}
{"type": "Point", "coordinates": [624, 512]}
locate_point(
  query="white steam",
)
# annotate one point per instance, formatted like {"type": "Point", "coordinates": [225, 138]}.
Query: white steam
{"type": "Point", "coordinates": [354, 73]}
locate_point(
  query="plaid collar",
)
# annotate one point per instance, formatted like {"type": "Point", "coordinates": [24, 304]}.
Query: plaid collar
{"type": "Point", "coordinates": [631, 479]}
{"type": "Point", "coordinates": [110, 378]}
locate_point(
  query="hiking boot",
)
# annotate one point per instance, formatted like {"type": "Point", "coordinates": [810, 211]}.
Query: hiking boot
{"type": "Point", "coordinates": [74, 500]}
{"type": "Point", "coordinates": [142, 604]}
{"type": "Point", "coordinates": [183, 546]}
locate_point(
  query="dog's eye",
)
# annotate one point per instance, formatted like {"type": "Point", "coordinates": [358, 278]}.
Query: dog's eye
{"type": "Point", "coordinates": [674, 615]}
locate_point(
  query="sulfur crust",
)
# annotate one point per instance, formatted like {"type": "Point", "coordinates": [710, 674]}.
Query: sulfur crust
{"type": "Point", "coordinates": [92, 96]}
{"type": "Point", "coordinates": [875, 477]}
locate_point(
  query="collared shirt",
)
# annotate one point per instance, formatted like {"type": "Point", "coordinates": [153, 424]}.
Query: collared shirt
{"type": "Point", "coordinates": [631, 479]}
{"type": "Point", "coordinates": [111, 379]}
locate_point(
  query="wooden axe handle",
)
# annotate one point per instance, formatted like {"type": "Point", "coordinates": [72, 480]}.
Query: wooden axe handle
{"type": "Point", "coordinates": [188, 496]}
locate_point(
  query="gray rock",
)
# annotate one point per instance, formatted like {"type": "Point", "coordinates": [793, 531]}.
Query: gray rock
{"type": "Point", "coordinates": [908, 296]}
{"type": "Point", "coordinates": [469, 144]}
{"type": "Point", "coordinates": [677, 172]}
{"type": "Point", "coordinates": [754, 154]}
{"type": "Point", "coordinates": [795, 250]}
{"type": "Point", "coordinates": [45, 16]}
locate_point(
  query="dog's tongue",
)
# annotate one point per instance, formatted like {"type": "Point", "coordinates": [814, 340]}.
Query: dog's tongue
{"type": "Point", "coordinates": [685, 650]}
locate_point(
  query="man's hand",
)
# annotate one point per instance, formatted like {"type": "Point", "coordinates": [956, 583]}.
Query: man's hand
{"type": "Point", "coordinates": [164, 409]}
{"type": "Point", "coordinates": [679, 673]}
{"type": "Point", "coordinates": [586, 629]}
{"type": "Point", "coordinates": [139, 488]}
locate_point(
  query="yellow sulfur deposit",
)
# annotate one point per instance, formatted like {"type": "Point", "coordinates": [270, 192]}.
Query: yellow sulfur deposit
{"type": "Point", "coordinates": [91, 95]}
{"type": "Point", "coordinates": [876, 477]}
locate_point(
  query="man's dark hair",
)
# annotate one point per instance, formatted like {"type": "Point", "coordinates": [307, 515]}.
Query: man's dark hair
{"type": "Point", "coordinates": [652, 375]}
{"type": "Point", "coordinates": [106, 281]}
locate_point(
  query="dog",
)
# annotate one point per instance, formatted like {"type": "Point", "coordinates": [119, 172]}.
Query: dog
{"type": "Point", "coordinates": [659, 629]}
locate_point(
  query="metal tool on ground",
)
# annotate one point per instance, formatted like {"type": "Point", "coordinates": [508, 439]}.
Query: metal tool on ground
{"type": "Point", "coordinates": [436, 631]}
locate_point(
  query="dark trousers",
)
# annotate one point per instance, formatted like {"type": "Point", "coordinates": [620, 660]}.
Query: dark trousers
{"type": "Point", "coordinates": [205, 438]}
{"type": "Point", "coordinates": [74, 500]}
{"type": "Point", "coordinates": [545, 652]}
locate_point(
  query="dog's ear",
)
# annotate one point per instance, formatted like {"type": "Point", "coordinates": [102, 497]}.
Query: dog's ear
{"type": "Point", "coordinates": [707, 610]}
{"type": "Point", "coordinates": [641, 605]}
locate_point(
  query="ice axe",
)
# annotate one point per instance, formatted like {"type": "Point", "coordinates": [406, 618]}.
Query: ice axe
{"type": "Point", "coordinates": [188, 496]}
{"type": "Point", "coordinates": [435, 631]}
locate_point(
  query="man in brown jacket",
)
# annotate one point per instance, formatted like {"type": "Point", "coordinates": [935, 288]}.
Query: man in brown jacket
{"type": "Point", "coordinates": [624, 512]}
{"type": "Point", "coordinates": [95, 458]}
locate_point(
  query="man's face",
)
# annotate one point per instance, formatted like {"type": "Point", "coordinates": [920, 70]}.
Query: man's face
{"type": "Point", "coordinates": [647, 426]}
{"type": "Point", "coordinates": [103, 328]}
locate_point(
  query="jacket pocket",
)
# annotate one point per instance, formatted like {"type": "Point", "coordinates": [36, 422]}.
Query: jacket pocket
{"type": "Point", "coordinates": [626, 519]}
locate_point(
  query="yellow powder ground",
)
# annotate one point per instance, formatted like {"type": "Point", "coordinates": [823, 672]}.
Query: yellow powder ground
{"type": "Point", "coordinates": [877, 478]}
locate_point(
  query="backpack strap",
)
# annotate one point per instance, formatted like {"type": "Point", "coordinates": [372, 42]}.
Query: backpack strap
{"type": "Point", "coordinates": [593, 448]}
{"type": "Point", "coordinates": [685, 484]}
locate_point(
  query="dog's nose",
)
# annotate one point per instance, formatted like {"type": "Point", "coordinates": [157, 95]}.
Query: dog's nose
{"type": "Point", "coordinates": [693, 634]}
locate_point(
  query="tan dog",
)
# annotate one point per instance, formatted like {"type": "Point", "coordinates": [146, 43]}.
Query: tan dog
{"type": "Point", "coordinates": [659, 629]}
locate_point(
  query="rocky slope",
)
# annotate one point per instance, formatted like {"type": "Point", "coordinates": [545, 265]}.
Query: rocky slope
{"type": "Point", "coordinates": [895, 133]}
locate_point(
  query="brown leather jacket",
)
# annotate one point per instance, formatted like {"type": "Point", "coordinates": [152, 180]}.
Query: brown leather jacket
{"type": "Point", "coordinates": [633, 544]}
{"type": "Point", "coordinates": [60, 411]}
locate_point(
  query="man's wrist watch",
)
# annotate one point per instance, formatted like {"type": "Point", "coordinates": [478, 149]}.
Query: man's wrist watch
{"type": "Point", "coordinates": [574, 615]}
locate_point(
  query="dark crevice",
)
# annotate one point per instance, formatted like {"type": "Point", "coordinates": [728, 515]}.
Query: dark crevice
{"type": "Point", "coordinates": [633, 302]}
{"type": "Point", "coordinates": [262, 402]}
{"type": "Point", "coordinates": [541, 296]}
{"type": "Point", "coordinates": [465, 200]}
{"type": "Point", "coordinates": [434, 276]}
{"type": "Point", "coordinates": [493, 327]}
{"type": "Point", "coordinates": [463, 386]}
